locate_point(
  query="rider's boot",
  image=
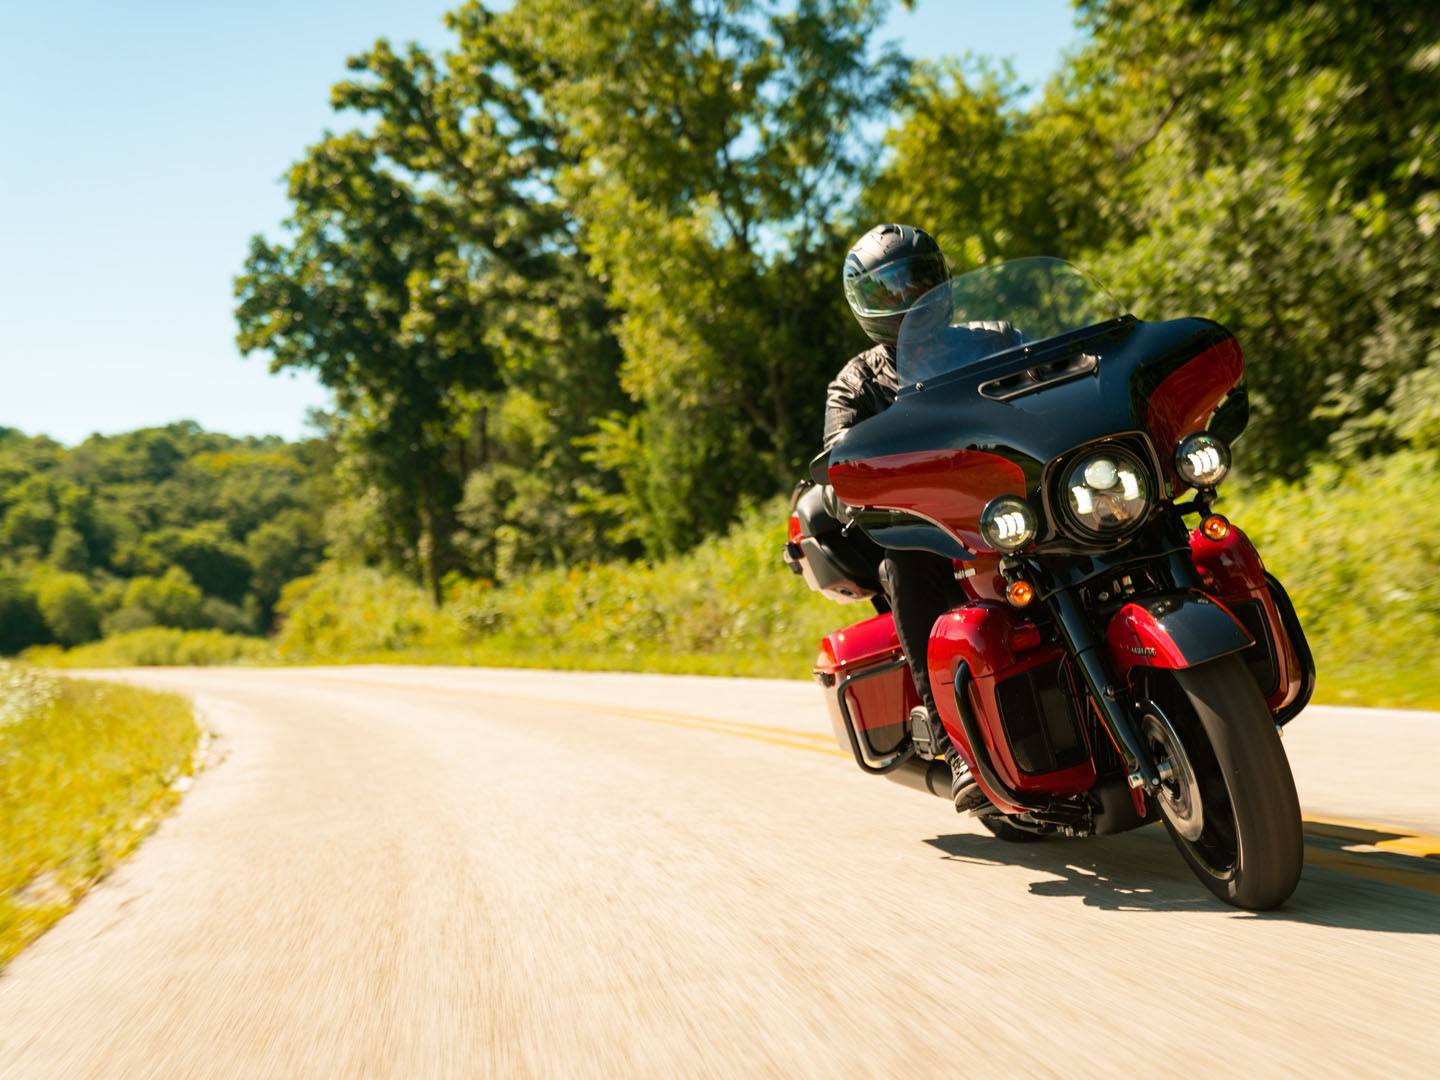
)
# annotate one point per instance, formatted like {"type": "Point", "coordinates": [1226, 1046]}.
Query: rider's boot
{"type": "Point", "coordinates": [930, 738]}
{"type": "Point", "coordinates": [963, 788]}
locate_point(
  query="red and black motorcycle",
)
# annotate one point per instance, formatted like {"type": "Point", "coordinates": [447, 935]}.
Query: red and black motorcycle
{"type": "Point", "coordinates": [1110, 663]}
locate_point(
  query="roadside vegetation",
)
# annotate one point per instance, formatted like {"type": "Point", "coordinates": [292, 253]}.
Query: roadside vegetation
{"type": "Point", "coordinates": [1349, 544]}
{"type": "Point", "coordinates": [86, 770]}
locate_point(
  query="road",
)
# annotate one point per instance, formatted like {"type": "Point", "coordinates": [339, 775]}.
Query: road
{"type": "Point", "coordinates": [428, 872]}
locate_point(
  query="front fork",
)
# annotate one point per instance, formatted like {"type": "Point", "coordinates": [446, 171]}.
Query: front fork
{"type": "Point", "coordinates": [1112, 698]}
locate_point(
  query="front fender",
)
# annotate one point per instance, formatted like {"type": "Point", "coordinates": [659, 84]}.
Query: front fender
{"type": "Point", "coordinates": [1175, 630]}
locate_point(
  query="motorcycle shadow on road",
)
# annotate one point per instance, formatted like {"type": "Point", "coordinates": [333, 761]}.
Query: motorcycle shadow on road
{"type": "Point", "coordinates": [1141, 871]}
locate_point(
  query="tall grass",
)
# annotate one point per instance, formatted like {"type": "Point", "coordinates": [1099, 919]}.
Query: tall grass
{"type": "Point", "coordinates": [86, 768]}
{"type": "Point", "coordinates": [155, 646]}
{"type": "Point", "coordinates": [1359, 552]}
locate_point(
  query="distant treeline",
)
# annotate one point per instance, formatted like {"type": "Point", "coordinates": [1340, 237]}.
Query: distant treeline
{"type": "Point", "coordinates": [575, 279]}
{"type": "Point", "coordinates": [168, 526]}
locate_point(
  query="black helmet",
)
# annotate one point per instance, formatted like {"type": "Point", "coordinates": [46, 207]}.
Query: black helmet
{"type": "Point", "coordinates": [887, 270]}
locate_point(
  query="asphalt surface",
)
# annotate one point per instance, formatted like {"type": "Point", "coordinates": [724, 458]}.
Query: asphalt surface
{"type": "Point", "coordinates": [440, 872]}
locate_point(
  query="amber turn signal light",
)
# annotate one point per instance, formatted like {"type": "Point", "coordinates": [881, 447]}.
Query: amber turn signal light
{"type": "Point", "coordinates": [1215, 527]}
{"type": "Point", "coordinates": [1020, 593]}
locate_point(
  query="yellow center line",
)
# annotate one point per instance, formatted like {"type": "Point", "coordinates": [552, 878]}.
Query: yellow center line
{"type": "Point", "coordinates": [1392, 873]}
{"type": "Point", "coordinates": [1387, 838]}
{"type": "Point", "coordinates": [1368, 834]}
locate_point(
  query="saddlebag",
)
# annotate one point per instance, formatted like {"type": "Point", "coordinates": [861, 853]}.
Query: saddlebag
{"type": "Point", "coordinates": [869, 690]}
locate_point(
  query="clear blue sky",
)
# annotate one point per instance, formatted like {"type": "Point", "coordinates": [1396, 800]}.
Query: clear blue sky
{"type": "Point", "coordinates": [144, 143]}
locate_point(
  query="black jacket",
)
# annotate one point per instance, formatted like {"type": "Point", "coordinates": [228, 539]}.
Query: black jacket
{"type": "Point", "coordinates": [868, 384]}
{"type": "Point", "coordinates": [865, 386]}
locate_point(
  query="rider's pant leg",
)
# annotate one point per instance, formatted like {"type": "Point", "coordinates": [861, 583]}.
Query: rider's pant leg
{"type": "Point", "coordinates": [921, 587]}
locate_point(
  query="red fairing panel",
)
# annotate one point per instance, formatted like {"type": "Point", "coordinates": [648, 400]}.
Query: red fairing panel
{"type": "Point", "coordinates": [1233, 572]}
{"type": "Point", "coordinates": [1186, 398]}
{"type": "Point", "coordinates": [948, 487]}
{"type": "Point", "coordinates": [986, 582]}
{"type": "Point", "coordinates": [995, 642]}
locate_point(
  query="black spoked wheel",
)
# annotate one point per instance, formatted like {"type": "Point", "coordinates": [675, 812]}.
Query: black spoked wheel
{"type": "Point", "coordinates": [1227, 794]}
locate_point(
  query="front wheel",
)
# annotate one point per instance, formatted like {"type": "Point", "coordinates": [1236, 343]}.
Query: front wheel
{"type": "Point", "coordinates": [1227, 794]}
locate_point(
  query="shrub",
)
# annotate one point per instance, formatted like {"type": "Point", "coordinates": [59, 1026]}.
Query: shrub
{"type": "Point", "coordinates": [68, 606]}
{"type": "Point", "coordinates": [171, 600]}
{"type": "Point", "coordinates": [20, 620]}
{"type": "Point", "coordinates": [341, 613]}
{"type": "Point", "coordinates": [156, 646]}
{"type": "Point", "coordinates": [1351, 546]}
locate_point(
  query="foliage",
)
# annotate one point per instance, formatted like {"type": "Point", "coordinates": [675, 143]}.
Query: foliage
{"type": "Point", "coordinates": [571, 282]}
{"type": "Point", "coordinates": [715, 151]}
{"type": "Point", "coordinates": [1355, 551]}
{"type": "Point", "coordinates": [67, 604]}
{"type": "Point", "coordinates": [1269, 165]}
{"type": "Point", "coordinates": [733, 608]}
{"type": "Point", "coordinates": [86, 769]}
{"type": "Point", "coordinates": [170, 526]}
{"type": "Point", "coordinates": [425, 266]}
{"type": "Point", "coordinates": [337, 613]}
{"type": "Point", "coordinates": [1368, 598]}
{"type": "Point", "coordinates": [156, 646]}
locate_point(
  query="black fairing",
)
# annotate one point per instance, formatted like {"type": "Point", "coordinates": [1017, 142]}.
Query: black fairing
{"type": "Point", "coordinates": [1131, 359]}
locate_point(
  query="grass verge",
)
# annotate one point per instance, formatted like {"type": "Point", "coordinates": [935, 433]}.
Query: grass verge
{"type": "Point", "coordinates": [86, 770]}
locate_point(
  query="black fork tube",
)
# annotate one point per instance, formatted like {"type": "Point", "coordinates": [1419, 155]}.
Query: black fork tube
{"type": "Point", "coordinates": [1084, 646]}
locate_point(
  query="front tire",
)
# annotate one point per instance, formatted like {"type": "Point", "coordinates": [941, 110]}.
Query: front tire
{"type": "Point", "coordinates": [1227, 795]}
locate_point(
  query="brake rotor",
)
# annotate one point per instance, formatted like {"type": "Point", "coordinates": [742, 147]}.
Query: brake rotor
{"type": "Point", "coordinates": [1179, 794]}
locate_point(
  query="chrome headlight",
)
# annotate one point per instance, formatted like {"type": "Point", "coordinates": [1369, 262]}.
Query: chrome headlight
{"type": "Point", "coordinates": [1202, 460]}
{"type": "Point", "coordinates": [1008, 523]}
{"type": "Point", "coordinates": [1107, 491]}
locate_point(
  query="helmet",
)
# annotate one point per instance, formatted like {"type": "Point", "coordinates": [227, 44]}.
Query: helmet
{"type": "Point", "coordinates": [887, 270]}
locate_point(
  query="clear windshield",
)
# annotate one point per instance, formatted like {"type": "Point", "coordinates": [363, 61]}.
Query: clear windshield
{"type": "Point", "coordinates": [987, 311]}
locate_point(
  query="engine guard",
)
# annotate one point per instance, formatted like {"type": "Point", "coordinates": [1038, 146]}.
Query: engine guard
{"type": "Point", "coordinates": [1176, 630]}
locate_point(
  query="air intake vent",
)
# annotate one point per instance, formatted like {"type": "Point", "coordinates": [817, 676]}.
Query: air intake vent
{"type": "Point", "coordinates": [1040, 376]}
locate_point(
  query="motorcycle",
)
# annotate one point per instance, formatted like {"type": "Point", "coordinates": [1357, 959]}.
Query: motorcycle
{"type": "Point", "coordinates": [1108, 664]}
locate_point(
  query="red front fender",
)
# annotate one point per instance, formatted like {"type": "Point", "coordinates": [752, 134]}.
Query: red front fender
{"type": "Point", "coordinates": [1177, 630]}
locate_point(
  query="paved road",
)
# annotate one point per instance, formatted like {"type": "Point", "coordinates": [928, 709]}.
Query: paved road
{"type": "Point", "coordinates": [435, 872]}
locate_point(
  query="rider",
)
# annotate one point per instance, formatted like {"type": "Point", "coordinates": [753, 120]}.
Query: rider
{"type": "Point", "coordinates": [886, 272]}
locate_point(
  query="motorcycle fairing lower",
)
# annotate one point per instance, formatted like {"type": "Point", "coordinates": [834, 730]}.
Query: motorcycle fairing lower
{"type": "Point", "coordinates": [1018, 693]}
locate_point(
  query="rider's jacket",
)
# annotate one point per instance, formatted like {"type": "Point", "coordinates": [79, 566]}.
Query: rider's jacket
{"type": "Point", "coordinates": [865, 386]}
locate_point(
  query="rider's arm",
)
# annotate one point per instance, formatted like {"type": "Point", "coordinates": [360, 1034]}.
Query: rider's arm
{"type": "Point", "coordinates": [847, 401]}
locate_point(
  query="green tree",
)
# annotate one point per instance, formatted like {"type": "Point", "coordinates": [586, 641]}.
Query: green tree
{"type": "Point", "coordinates": [205, 552]}
{"type": "Point", "coordinates": [282, 549]}
{"type": "Point", "coordinates": [411, 247]}
{"type": "Point", "coordinates": [68, 605]}
{"type": "Point", "coordinates": [21, 624]}
{"type": "Point", "coordinates": [713, 145]}
{"type": "Point", "coordinates": [169, 600]}
{"type": "Point", "coordinates": [1270, 165]}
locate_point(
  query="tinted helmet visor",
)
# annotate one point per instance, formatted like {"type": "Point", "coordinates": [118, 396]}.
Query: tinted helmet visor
{"type": "Point", "coordinates": [895, 286]}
